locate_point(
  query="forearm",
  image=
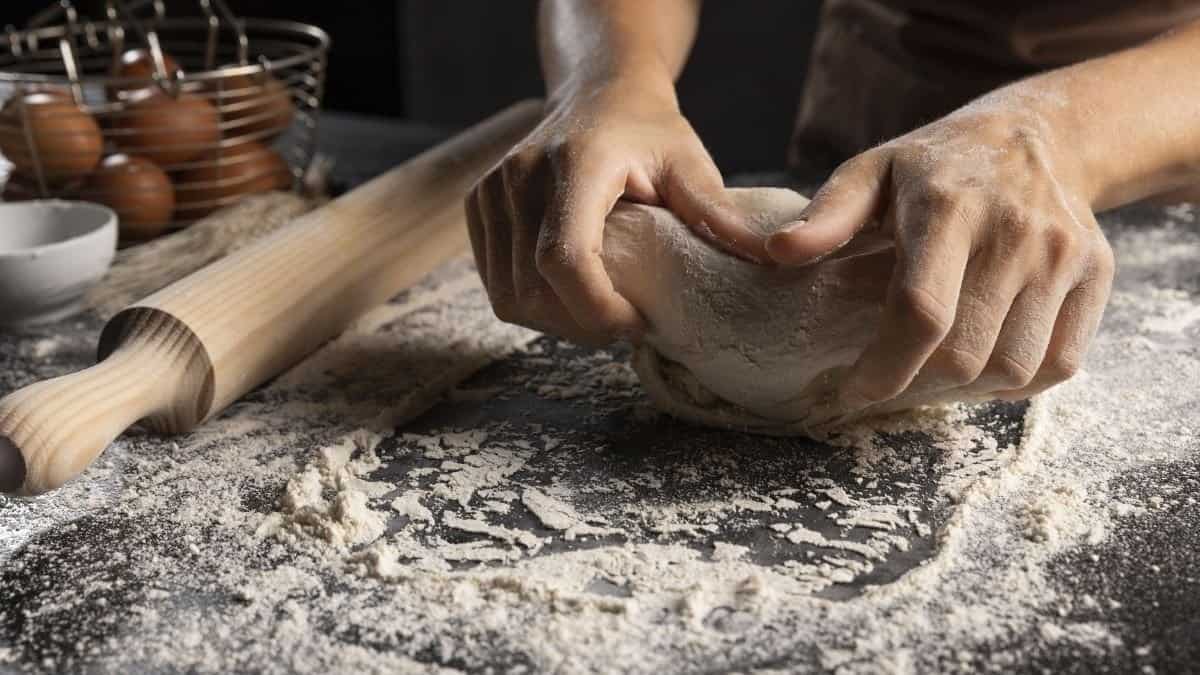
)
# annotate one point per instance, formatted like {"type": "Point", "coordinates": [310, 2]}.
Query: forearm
{"type": "Point", "coordinates": [1126, 126]}
{"type": "Point", "coordinates": [593, 41]}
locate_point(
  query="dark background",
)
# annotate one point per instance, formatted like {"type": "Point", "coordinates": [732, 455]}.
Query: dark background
{"type": "Point", "coordinates": [447, 63]}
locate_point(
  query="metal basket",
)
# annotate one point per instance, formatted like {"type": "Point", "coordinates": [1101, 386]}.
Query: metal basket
{"type": "Point", "coordinates": [259, 81]}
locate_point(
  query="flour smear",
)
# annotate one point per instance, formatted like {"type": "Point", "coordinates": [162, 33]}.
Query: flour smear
{"type": "Point", "coordinates": [313, 529]}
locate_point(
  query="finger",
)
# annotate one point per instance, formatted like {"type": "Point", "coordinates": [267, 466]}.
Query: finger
{"type": "Point", "coordinates": [1023, 340]}
{"type": "Point", "coordinates": [1076, 325]}
{"type": "Point", "coordinates": [478, 233]}
{"type": "Point", "coordinates": [991, 284]}
{"type": "Point", "coordinates": [850, 199]}
{"type": "Point", "coordinates": [918, 313]}
{"type": "Point", "coordinates": [536, 304]}
{"type": "Point", "coordinates": [492, 206]}
{"type": "Point", "coordinates": [527, 192]}
{"type": "Point", "coordinates": [548, 314]}
{"type": "Point", "coordinates": [570, 243]}
{"type": "Point", "coordinates": [695, 192]}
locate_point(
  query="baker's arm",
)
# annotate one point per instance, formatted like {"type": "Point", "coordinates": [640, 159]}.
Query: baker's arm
{"type": "Point", "coordinates": [1131, 120]}
{"type": "Point", "coordinates": [588, 42]}
{"type": "Point", "coordinates": [1002, 272]}
{"type": "Point", "coordinates": [613, 129]}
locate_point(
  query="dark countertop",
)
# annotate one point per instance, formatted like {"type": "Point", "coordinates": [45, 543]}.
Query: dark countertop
{"type": "Point", "coordinates": [52, 619]}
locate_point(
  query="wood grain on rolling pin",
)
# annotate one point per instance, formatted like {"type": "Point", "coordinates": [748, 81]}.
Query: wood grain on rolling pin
{"type": "Point", "coordinates": [185, 353]}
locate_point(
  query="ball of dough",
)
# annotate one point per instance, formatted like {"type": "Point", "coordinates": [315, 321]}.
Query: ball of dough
{"type": "Point", "coordinates": [741, 345]}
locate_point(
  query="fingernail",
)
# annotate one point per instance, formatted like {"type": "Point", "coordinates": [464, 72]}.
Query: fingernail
{"type": "Point", "coordinates": [792, 226]}
{"type": "Point", "coordinates": [779, 248]}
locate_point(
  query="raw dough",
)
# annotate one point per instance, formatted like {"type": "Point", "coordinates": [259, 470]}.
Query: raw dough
{"type": "Point", "coordinates": [741, 345]}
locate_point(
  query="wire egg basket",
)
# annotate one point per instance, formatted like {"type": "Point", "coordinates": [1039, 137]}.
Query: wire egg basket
{"type": "Point", "coordinates": [163, 118]}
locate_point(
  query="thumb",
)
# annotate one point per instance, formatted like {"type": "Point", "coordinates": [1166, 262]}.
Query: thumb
{"type": "Point", "coordinates": [695, 192]}
{"type": "Point", "coordinates": [850, 199]}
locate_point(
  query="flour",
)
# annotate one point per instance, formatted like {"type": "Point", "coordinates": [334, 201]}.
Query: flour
{"type": "Point", "coordinates": [328, 528]}
{"type": "Point", "coordinates": [328, 500]}
{"type": "Point", "coordinates": [558, 515]}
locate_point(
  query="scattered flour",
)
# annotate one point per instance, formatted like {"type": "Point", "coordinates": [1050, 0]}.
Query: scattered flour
{"type": "Point", "coordinates": [324, 540]}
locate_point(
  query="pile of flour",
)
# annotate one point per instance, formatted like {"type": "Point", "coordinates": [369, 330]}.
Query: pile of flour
{"type": "Point", "coordinates": [301, 532]}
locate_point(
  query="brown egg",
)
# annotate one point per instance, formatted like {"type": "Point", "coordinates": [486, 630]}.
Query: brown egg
{"type": "Point", "coordinates": [63, 137]}
{"type": "Point", "coordinates": [138, 190]}
{"type": "Point", "coordinates": [165, 129]}
{"type": "Point", "coordinates": [226, 176]}
{"type": "Point", "coordinates": [135, 71]}
{"type": "Point", "coordinates": [252, 104]}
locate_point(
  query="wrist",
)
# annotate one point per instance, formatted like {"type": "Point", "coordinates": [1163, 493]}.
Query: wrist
{"type": "Point", "coordinates": [644, 81]}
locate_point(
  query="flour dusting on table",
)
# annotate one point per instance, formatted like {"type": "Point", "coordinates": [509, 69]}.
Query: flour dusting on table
{"type": "Point", "coordinates": [325, 525]}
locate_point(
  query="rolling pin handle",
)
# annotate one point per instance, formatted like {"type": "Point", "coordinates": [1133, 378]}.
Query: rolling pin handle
{"type": "Point", "coordinates": [51, 431]}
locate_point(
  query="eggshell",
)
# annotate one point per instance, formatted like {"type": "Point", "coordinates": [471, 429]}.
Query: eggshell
{"type": "Point", "coordinates": [253, 104]}
{"type": "Point", "coordinates": [64, 138]}
{"type": "Point", "coordinates": [165, 129]}
{"type": "Point", "coordinates": [138, 190]}
{"type": "Point", "coordinates": [226, 175]}
{"type": "Point", "coordinates": [135, 71]}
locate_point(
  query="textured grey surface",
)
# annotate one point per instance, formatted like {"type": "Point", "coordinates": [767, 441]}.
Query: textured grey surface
{"type": "Point", "coordinates": [46, 562]}
{"type": "Point", "coordinates": [70, 589]}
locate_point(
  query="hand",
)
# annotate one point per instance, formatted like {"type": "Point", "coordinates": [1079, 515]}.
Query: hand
{"type": "Point", "coordinates": [1002, 272]}
{"type": "Point", "coordinates": [537, 219]}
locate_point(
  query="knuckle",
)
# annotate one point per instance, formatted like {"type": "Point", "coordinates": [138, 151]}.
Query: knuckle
{"type": "Point", "coordinates": [929, 317]}
{"type": "Point", "coordinates": [958, 367]}
{"type": "Point", "coordinates": [935, 196]}
{"type": "Point", "coordinates": [1062, 248]}
{"type": "Point", "coordinates": [492, 182]}
{"type": "Point", "coordinates": [517, 168]}
{"type": "Point", "coordinates": [1019, 229]}
{"type": "Point", "coordinates": [1009, 371]}
{"type": "Point", "coordinates": [555, 258]}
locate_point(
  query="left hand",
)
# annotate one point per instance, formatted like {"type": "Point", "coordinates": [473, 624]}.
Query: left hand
{"type": "Point", "coordinates": [1002, 272]}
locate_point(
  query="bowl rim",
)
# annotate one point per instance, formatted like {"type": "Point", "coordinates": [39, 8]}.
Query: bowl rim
{"type": "Point", "coordinates": [108, 225]}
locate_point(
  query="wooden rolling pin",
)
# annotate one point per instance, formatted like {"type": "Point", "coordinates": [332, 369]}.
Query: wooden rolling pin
{"type": "Point", "coordinates": [183, 354]}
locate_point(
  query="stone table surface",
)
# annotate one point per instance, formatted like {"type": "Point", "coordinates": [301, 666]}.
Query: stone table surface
{"type": "Point", "coordinates": [83, 573]}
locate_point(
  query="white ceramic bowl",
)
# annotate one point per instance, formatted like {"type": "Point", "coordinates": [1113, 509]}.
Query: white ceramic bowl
{"type": "Point", "coordinates": [51, 253]}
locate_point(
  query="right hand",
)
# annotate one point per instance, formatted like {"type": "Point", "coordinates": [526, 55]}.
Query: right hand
{"type": "Point", "coordinates": [537, 219]}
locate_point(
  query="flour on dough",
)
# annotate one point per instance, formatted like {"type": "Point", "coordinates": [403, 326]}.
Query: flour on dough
{"type": "Point", "coordinates": [741, 345]}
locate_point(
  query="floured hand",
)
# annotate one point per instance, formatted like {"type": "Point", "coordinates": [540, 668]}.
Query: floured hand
{"type": "Point", "coordinates": [1002, 272]}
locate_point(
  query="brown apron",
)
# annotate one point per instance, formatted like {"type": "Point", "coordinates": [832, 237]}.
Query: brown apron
{"type": "Point", "coordinates": [880, 68]}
